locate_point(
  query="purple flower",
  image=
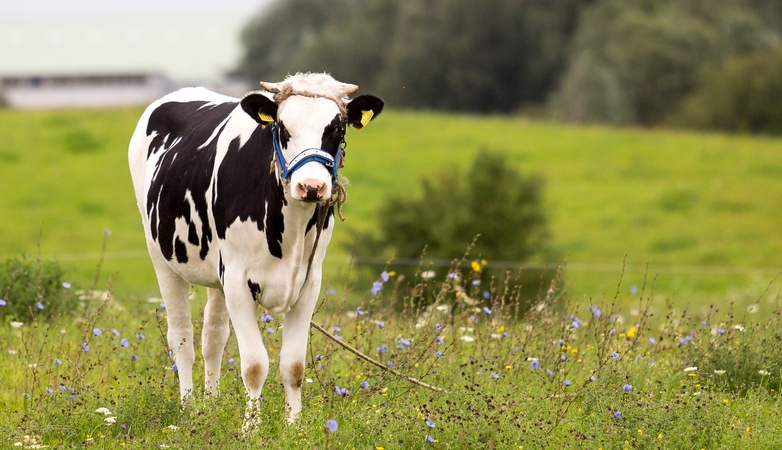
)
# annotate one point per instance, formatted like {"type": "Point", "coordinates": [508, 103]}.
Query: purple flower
{"type": "Point", "coordinates": [652, 340]}
{"type": "Point", "coordinates": [535, 364]}
{"type": "Point", "coordinates": [721, 330]}
{"type": "Point", "coordinates": [266, 318]}
{"type": "Point", "coordinates": [592, 378]}
{"type": "Point", "coordinates": [486, 295]}
{"type": "Point", "coordinates": [705, 323]}
{"type": "Point", "coordinates": [162, 305]}
{"type": "Point", "coordinates": [270, 330]}
{"type": "Point", "coordinates": [627, 387]}
{"type": "Point", "coordinates": [85, 347]}
{"type": "Point", "coordinates": [49, 390]}
{"type": "Point", "coordinates": [57, 361]}
{"type": "Point", "coordinates": [618, 414]}
{"type": "Point", "coordinates": [380, 323]}
{"type": "Point", "coordinates": [39, 305]}
{"type": "Point", "coordinates": [140, 336]}
{"type": "Point", "coordinates": [633, 289]}
{"type": "Point", "coordinates": [134, 357]}
{"type": "Point", "coordinates": [231, 360]}
{"type": "Point", "coordinates": [389, 363]}
{"type": "Point", "coordinates": [107, 232]}
{"type": "Point", "coordinates": [318, 357]}
{"type": "Point", "coordinates": [476, 282]}
{"type": "Point", "coordinates": [377, 286]}
{"type": "Point", "coordinates": [97, 332]}
{"type": "Point", "coordinates": [331, 425]}
{"type": "Point", "coordinates": [428, 438]}
{"type": "Point", "coordinates": [115, 332]}
{"type": "Point", "coordinates": [403, 341]}
{"type": "Point", "coordinates": [61, 387]}
{"type": "Point", "coordinates": [437, 326]}
{"type": "Point", "coordinates": [3, 302]}
{"type": "Point", "coordinates": [487, 310]}
{"type": "Point", "coordinates": [550, 372]}
{"type": "Point", "coordinates": [124, 342]}
{"type": "Point", "coordinates": [382, 349]}
{"type": "Point", "coordinates": [438, 354]}
{"type": "Point", "coordinates": [175, 368]}
{"type": "Point", "coordinates": [453, 275]}
{"type": "Point", "coordinates": [615, 355]}
{"type": "Point", "coordinates": [359, 311]}
{"type": "Point", "coordinates": [495, 375]}
{"type": "Point", "coordinates": [343, 392]}
{"type": "Point", "coordinates": [384, 276]}
{"type": "Point", "coordinates": [440, 340]}
{"type": "Point", "coordinates": [337, 328]}
{"type": "Point", "coordinates": [66, 285]}
{"type": "Point", "coordinates": [365, 384]}
{"type": "Point", "coordinates": [430, 424]}
{"type": "Point", "coordinates": [567, 382]}
{"type": "Point", "coordinates": [596, 312]}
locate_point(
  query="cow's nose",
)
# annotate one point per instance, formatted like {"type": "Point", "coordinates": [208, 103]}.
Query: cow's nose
{"type": "Point", "coordinates": [311, 190]}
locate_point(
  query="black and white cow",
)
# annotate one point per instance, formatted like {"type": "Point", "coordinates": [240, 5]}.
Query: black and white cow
{"type": "Point", "coordinates": [230, 193]}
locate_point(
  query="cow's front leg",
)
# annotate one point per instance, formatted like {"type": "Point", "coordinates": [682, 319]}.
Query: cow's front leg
{"type": "Point", "coordinates": [295, 334]}
{"type": "Point", "coordinates": [254, 358]}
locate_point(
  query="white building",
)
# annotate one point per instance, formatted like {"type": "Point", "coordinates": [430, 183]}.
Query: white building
{"type": "Point", "coordinates": [94, 53]}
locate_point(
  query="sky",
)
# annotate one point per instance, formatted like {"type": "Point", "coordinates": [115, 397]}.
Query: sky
{"type": "Point", "coordinates": [189, 41]}
{"type": "Point", "coordinates": [97, 8]}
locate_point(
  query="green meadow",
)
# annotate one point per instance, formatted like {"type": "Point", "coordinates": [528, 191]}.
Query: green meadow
{"type": "Point", "coordinates": [664, 333]}
{"type": "Point", "coordinates": [702, 211]}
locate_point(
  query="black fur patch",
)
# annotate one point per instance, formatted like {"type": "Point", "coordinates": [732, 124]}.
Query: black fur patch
{"type": "Point", "coordinates": [245, 189]}
{"type": "Point", "coordinates": [183, 167]}
{"type": "Point", "coordinates": [255, 289]}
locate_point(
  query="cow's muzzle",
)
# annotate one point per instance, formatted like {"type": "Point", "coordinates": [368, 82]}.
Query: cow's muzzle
{"type": "Point", "coordinates": [311, 190]}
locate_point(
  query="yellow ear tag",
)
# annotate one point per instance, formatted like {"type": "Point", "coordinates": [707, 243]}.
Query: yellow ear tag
{"type": "Point", "coordinates": [265, 117]}
{"type": "Point", "coordinates": [366, 116]}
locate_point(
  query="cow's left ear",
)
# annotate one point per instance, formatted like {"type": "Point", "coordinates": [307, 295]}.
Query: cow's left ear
{"type": "Point", "coordinates": [362, 109]}
{"type": "Point", "coordinates": [262, 109]}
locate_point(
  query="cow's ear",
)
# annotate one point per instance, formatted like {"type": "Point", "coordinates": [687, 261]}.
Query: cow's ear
{"type": "Point", "coordinates": [262, 109]}
{"type": "Point", "coordinates": [362, 109]}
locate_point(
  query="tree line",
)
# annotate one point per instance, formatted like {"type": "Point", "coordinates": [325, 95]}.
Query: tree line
{"type": "Point", "coordinates": [701, 63]}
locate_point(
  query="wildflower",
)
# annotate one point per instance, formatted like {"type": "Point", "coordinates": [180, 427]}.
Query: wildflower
{"type": "Point", "coordinates": [115, 332]}
{"type": "Point", "coordinates": [85, 347]}
{"type": "Point", "coordinates": [550, 372]}
{"type": "Point", "coordinates": [97, 332]}
{"type": "Point", "coordinates": [380, 323]}
{"type": "Point", "coordinates": [231, 360]}
{"type": "Point", "coordinates": [377, 286]}
{"type": "Point", "coordinates": [404, 342]}
{"type": "Point", "coordinates": [3, 302]}
{"type": "Point", "coordinates": [49, 390]}
{"type": "Point", "coordinates": [162, 305]}
{"type": "Point", "coordinates": [631, 332]}
{"type": "Point", "coordinates": [690, 369]}
{"type": "Point", "coordinates": [331, 291]}
{"type": "Point", "coordinates": [476, 282]}
{"type": "Point", "coordinates": [343, 392]}
{"type": "Point", "coordinates": [721, 330]}
{"type": "Point", "coordinates": [318, 357]}
{"type": "Point", "coordinates": [359, 311]}
{"type": "Point", "coordinates": [430, 424]}
{"type": "Point", "coordinates": [719, 371]}
{"type": "Point", "coordinates": [382, 349]}
{"type": "Point", "coordinates": [592, 378]}
{"type": "Point", "coordinates": [618, 414]}
{"type": "Point", "coordinates": [633, 289]}
{"type": "Point", "coordinates": [495, 375]}
{"type": "Point", "coordinates": [467, 338]}
{"type": "Point", "coordinates": [428, 438]}
{"type": "Point", "coordinates": [134, 357]}
{"type": "Point", "coordinates": [596, 312]}
{"type": "Point", "coordinates": [266, 318]}
{"type": "Point", "coordinates": [437, 326]}
{"type": "Point", "coordinates": [331, 425]}
{"type": "Point", "coordinates": [476, 266]}
{"type": "Point", "coordinates": [389, 363]}
{"type": "Point", "coordinates": [39, 305]}
{"type": "Point", "coordinates": [124, 342]}
{"type": "Point", "coordinates": [365, 384]}
{"type": "Point", "coordinates": [764, 372]}
{"type": "Point", "coordinates": [107, 232]}
{"type": "Point", "coordinates": [428, 274]}
{"type": "Point", "coordinates": [110, 420]}
{"type": "Point", "coordinates": [652, 340]}
{"type": "Point", "coordinates": [440, 340]}
{"type": "Point", "coordinates": [270, 330]}
{"type": "Point", "coordinates": [175, 368]}
{"type": "Point", "coordinates": [627, 387]}
{"type": "Point", "coordinates": [337, 328]}
{"type": "Point", "coordinates": [61, 387]}
{"type": "Point", "coordinates": [104, 411]}
{"type": "Point", "coordinates": [535, 363]}
{"type": "Point", "coordinates": [453, 275]}
{"type": "Point", "coordinates": [739, 327]}
{"type": "Point", "coordinates": [684, 339]}
{"type": "Point", "coordinates": [705, 323]}
{"type": "Point", "coordinates": [438, 354]}
{"type": "Point", "coordinates": [567, 382]}
{"type": "Point", "coordinates": [15, 324]}
{"type": "Point", "coordinates": [487, 310]}
{"type": "Point", "coordinates": [66, 285]}
{"type": "Point", "coordinates": [384, 276]}
{"type": "Point", "coordinates": [486, 295]}
{"type": "Point", "coordinates": [57, 361]}
{"type": "Point", "coordinates": [615, 355]}
{"type": "Point", "coordinates": [140, 336]}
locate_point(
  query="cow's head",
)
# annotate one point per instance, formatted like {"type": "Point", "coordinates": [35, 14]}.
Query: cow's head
{"type": "Point", "coordinates": [308, 115]}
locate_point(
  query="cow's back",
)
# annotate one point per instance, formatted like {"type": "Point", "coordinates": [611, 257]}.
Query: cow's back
{"type": "Point", "coordinates": [172, 158]}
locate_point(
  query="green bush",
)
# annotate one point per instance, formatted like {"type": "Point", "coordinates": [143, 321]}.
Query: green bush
{"type": "Point", "coordinates": [494, 203]}
{"type": "Point", "coordinates": [743, 95]}
{"type": "Point", "coordinates": [33, 289]}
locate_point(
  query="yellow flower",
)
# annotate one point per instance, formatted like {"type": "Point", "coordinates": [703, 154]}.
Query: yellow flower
{"type": "Point", "coordinates": [631, 332]}
{"type": "Point", "coordinates": [391, 274]}
{"type": "Point", "coordinates": [476, 267]}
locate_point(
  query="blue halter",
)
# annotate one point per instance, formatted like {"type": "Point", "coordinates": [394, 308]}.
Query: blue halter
{"type": "Point", "coordinates": [304, 157]}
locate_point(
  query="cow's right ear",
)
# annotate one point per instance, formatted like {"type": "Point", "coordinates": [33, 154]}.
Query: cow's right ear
{"type": "Point", "coordinates": [262, 109]}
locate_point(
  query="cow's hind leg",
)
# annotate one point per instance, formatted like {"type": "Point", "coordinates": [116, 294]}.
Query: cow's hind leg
{"type": "Point", "coordinates": [293, 355]}
{"type": "Point", "coordinates": [255, 360]}
{"type": "Point", "coordinates": [175, 292]}
{"type": "Point", "coordinates": [214, 337]}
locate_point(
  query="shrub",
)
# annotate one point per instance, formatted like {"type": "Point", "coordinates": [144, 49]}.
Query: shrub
{"type": "Point", "coordinates": [34, 289]}
{"type": "Point", "coordinates": [744, 95]}
{"type": "Point", "coordinates": [494, 203]}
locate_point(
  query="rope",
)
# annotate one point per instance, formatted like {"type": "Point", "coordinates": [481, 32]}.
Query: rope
{"type": "Point", "coordinates": [287, 91]}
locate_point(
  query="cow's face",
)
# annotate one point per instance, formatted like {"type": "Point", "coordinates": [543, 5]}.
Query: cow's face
{"type": "Point", "coordinates": [304, 123]}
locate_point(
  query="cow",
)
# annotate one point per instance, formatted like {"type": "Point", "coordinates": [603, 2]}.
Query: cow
{"type": "Point", "coordinates": [235, 195]}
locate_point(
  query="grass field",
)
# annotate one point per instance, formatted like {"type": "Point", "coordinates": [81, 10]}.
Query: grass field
{"type": "Point", "coordinates": [703, 210]}
{"type": "Point", "coordinates": [633, 366]}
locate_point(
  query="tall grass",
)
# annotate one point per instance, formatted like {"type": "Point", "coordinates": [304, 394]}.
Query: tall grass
{"type": "Point", "coordinates": [567, 375]}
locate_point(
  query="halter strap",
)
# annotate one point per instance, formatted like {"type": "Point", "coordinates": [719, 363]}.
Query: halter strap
{"type": "Point", "coordinates": [305, 156]}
